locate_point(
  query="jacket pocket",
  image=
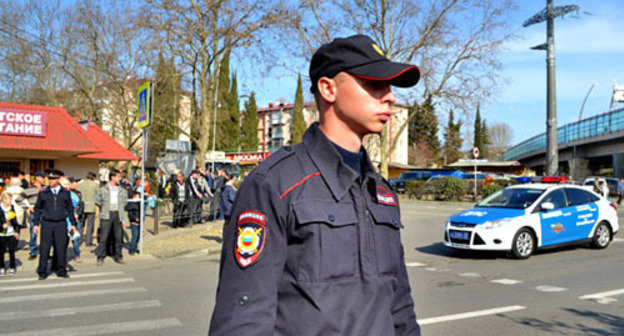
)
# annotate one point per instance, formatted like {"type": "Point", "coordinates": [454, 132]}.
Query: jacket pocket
{"type": "Point", "coordinates": [327, 232]}
{"type": "Point", "coordinates": [387, 223]}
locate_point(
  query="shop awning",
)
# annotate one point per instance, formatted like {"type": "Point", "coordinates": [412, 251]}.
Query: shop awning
{"type": "Point", "coordinates": [63, 133]}
{"type": "Point", "coordinates": [111, 150]}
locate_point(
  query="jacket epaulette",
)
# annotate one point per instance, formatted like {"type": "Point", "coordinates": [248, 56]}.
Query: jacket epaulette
{"type": "Point", "coordinates": [275, 158]}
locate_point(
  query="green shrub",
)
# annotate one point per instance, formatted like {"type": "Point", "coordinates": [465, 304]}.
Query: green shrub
{"type": "Point", "coordinates": [448, 188]}
{"type": "Point", "coordinates": [490, 189]}
{"type": "Point", "coordinates": [417, 189]}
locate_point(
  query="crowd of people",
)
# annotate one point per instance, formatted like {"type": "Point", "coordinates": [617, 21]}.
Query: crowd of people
{"type": "Point", "coordinates": [59, 210]}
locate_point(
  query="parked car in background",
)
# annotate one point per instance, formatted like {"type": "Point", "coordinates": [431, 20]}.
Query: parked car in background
{"type": "Point", "coordinates": [398, 184]}
{"type": "Point", "coordinates": [611, 182]}
{"type": "Point", "coordinates": [471, 176]}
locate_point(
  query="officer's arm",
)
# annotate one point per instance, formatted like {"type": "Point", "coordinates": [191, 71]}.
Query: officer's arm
{"type": "Point", "coordinates": [247, 293]}
{"type": "Point", "coordinates": [38, 209]}
{"type": "Point", "coordinates": [403, 306]}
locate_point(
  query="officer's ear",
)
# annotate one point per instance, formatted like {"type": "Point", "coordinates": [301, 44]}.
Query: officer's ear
{"type": "Point", "coordinates": [327, 89]}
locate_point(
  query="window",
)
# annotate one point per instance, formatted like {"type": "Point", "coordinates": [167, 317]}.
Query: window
{"type": "Point", "coordinates": [578, 196]}
{"type": "Point", "coordinates": [557, 197]}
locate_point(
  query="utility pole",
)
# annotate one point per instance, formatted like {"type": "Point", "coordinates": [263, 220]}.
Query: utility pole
{"type": "Point", "coordinates": [548, 14]}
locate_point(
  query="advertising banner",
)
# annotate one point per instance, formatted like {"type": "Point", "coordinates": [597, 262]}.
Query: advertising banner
{"type": "Point", "coordinates": [23, 123]}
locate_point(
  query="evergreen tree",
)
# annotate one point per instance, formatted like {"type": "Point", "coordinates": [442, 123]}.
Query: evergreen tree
{"type": "Point", "coordinates": [452, 140]}
{"type": "Point", "coordinates": [298, 125]}
{"type": "Point", "coordinates": [249, 125]}
{"type": "Point", "coordinates": [230, 135]}
{"type": "Point", "coordinates": [424, 128]}
{"type": "Point", "coordinates": [485, 138]}
{"type": "Point", "coordinates": [478, 132]}
{"type": "Point", "coordinates": [166, 104]}
{"type": "Point", "coordinates": [223, 112]}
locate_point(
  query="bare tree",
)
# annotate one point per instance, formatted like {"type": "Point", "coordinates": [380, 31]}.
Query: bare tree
{"type": "Point", "coordinates": [454, 42]}
{"type": "Point", "coordinates": [199, 33]}
{"type": "Point", "coordinates": [500, 135]}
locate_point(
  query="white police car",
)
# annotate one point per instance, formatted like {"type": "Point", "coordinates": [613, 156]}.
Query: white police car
{"type": "Point", "coordinates": [523, 218]}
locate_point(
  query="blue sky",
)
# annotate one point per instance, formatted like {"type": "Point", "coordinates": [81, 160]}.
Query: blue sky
{"type": "Point", "coordinates": [589, 50]}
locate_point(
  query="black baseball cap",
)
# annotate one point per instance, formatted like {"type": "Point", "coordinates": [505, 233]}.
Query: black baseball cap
{"type": "Point", "coordinates": [39, 173]}
{"type": "Point", "coordinates": [361, 57]}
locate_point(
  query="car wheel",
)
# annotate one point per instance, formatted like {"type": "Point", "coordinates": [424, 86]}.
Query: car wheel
{"type": "Point", "coordinates": [523, 244]}
{"type": "Point", "coordinates": [602, 236]}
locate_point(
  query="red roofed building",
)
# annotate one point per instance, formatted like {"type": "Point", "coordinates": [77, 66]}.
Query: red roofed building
{"type": "Point", "coordinates": [36, 137]}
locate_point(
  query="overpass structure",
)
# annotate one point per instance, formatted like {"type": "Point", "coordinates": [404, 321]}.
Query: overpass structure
{"type": "Point", "coordinates": [594, 145]}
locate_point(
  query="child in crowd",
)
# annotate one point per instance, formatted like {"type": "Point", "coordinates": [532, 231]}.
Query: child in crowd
{"type": "Point", "coordinates": [9, 232]}
{"type": "Point", "coordinates": [133, 208]}
{"type": "Point", "coordinates": [228, 194]}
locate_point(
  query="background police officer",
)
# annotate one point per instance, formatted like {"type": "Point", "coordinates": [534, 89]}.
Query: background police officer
{"type": "Point", "coordinates": [52, 209]}
{"type": "Point", "coordinates": [313, 244]}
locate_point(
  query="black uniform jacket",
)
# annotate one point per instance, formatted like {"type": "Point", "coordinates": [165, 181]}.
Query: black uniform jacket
{"type": "Point", "coordinates": [175, 190]}
{"type": "Point", "coordinates": [313, 249]}
{"type": "Point", "coordinates": [51, 208]}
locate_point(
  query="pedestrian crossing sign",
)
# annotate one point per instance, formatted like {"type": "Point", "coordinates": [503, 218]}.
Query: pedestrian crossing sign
{"type": "Point", "coordinates": [144, 112]}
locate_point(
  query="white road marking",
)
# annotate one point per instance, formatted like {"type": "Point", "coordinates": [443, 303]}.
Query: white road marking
{"type": "Point", "coordinates": [77, 276]}
{"type": "Point", "coordinates": [26, 314]}
{"type": "Point", "coordinates": [104, 329]}
{"type": "Point", "coordinates": [430, 268]}
{"type": "Point", "coordinates": [506, 281]}
{"type": "Point", "coordinates": [433, 320]}
{"type": "Point", "coordinates": [550, 289]}
{"type": "Point", "coordinates": [414, 264]}
{"type": "Point", "coordinates": [604, 297]}
{"type": "Point", "coordinates": [469, 275]}
{"type": "Point", "coordinates": [618, 240]}
{"type": "Point", "coordinates": [70, 295]}
{"type": "Point", "coordinates": [65, 284]}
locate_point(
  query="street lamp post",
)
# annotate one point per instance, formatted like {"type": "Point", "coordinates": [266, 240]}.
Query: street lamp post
{"type": "Point", "coordinates": [214, 117]}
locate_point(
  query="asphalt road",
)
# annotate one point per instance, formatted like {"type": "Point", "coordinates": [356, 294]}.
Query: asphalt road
{"type": "Point", "coordinates": [455, 293]}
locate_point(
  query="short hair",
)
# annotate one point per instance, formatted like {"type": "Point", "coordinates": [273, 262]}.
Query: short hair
{"type": "Point", "coordinates": [21, 172]}
{"type": "Point", "coordinates": [6, 195]}
{"type": "Point", "coordinates": [113, 173]}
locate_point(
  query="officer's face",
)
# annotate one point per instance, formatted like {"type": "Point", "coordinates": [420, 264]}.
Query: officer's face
{"type": "Point", "coordinates": [54, 182]}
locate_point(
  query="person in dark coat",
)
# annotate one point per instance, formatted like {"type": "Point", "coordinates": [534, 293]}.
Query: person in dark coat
{"type": "Point", "coordinates": [180, 195]}
{"type": "Point", "coordinates": [314, 246]}
{"type": "Point", "coordinates": [9, 232]}
{"type": "Point", "coordinates": [217, 184]}
{"type": "Point", "coordinates": [53, 207]}
{"type": "Point", "coordinates": [133, 208]}
{"type": "Point", "coordinates": [228, 194]}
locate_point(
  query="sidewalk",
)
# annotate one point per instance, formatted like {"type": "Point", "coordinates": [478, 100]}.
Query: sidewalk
{"type": "Point", "coordinates": [200, 239]}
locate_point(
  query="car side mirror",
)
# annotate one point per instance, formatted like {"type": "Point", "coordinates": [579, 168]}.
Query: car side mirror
{"type": "Point", "coordinates": [547, 206]}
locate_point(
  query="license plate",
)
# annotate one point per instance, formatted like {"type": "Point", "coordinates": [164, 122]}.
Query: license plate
{"type": "Point", "coordinates": [459, 235]}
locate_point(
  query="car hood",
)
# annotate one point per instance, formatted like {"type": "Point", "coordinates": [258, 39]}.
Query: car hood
{"type": "Point", "coordinates": [480, 215]}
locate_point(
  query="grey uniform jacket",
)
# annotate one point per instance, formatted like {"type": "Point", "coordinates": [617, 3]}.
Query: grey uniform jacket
{"type": "Point", "coordinates": [313, 249]}
{"type": "Point", "coordinates": [103, 201]}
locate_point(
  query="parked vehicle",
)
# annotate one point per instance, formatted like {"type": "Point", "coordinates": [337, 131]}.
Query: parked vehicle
{"type": "Point", "coordinates": [611, 182]}
{"type": "Point", "coordinates": [526, 217]}
{"type": "Point", "coordinates": [398, 184]}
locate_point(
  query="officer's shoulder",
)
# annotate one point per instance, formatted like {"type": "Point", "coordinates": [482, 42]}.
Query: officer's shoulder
{"type": "Point", "coordinates": [277, 160]}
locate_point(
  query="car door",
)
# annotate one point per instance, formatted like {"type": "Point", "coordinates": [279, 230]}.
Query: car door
{"type": "Point", "coordinates": [557, 224]}
{"type": "Point", "coordinates": [585, 210]}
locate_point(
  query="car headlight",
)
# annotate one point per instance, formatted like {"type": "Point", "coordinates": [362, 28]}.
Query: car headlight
{"type": "Point", "coordinates": [494, 223]}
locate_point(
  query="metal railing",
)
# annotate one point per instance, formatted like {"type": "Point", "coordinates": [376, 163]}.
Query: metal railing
{"type": "Point", "coordinates": [601, 124]}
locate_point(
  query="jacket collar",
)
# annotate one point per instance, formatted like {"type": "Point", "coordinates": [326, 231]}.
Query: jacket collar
{"type": "Point", "coordinates": [338, 176]}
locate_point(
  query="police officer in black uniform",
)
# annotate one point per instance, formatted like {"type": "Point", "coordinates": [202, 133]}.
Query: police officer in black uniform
{"type": "Point", "coordinates": [313, 244]}
{"type": "Point", "coordinates": [52, 209]}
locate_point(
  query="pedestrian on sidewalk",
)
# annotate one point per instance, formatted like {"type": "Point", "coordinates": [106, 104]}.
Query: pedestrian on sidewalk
{"type": "Point", "coordinates": [30, 195]}
{"type": "Point", "coordinates": [53, 207]}
{"type": "Point", "coordinates": [197, 197]}
{"type": "Point", "coordinates": [88, 189]}
{"type": "Point", "coordinates": [9, 232]}
{"type": "Point", "coordinates": [314, 247]}
{"type": "Point", "coordinates": [228, 195]}
{"type": "Point", "coordinates": [133, 208]}
{"type": "Point", "coordinates": [218, 183]}
{"type": "Point", "coordinates": [180, 194]}
{"type": "Point", "coordinates": [79, 214]}
{"type": "Point", "coordinates": [111, 199]}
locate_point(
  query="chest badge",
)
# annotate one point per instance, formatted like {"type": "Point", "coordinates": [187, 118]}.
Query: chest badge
{"type": "Point", "coordinates": [385, 197]}
{"type": "Point", "coordinates": [250, 237]}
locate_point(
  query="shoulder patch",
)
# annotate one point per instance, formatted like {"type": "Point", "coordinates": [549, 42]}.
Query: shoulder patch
{"type": "Point", "coordinates": [251, 232]}
{"type": "Point", "coordinates": [385, 197]}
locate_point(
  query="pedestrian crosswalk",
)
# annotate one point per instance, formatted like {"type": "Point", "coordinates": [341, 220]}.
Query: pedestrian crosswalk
{"type": "Point", "coordinates": [105, 303]}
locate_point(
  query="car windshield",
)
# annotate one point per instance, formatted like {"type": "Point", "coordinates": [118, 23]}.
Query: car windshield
{"type": "Point", "coordinates": [515, 198]}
